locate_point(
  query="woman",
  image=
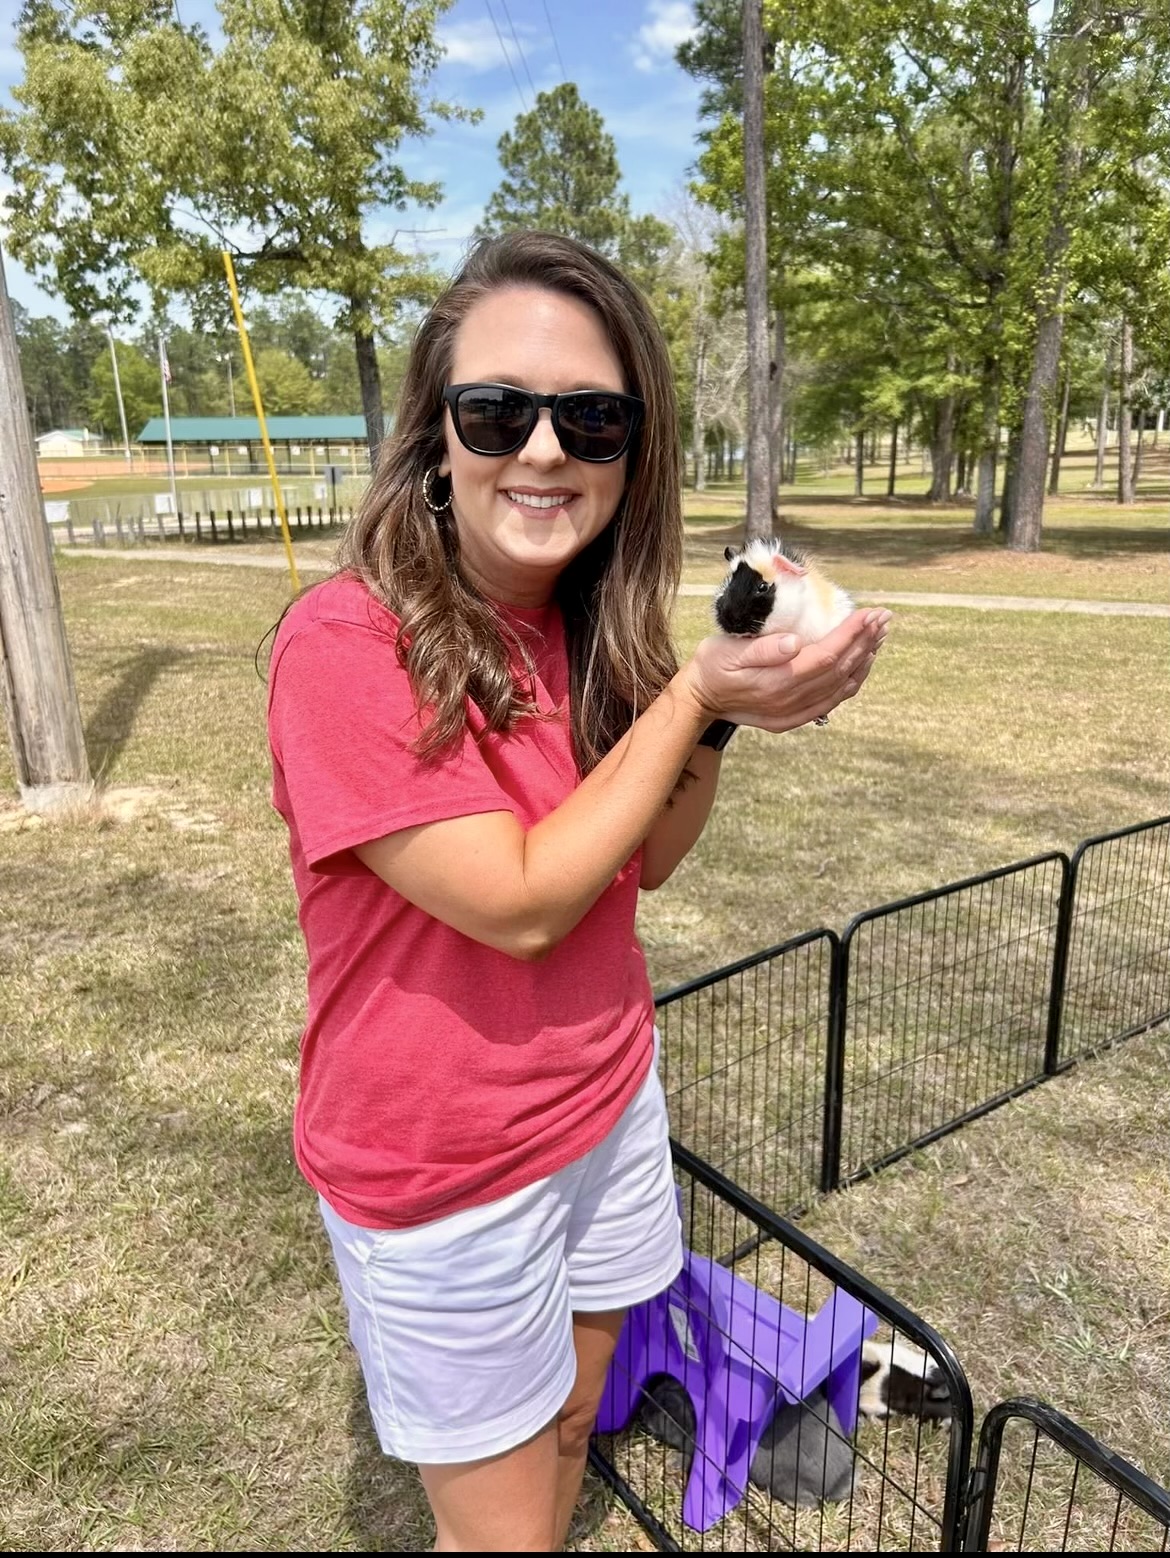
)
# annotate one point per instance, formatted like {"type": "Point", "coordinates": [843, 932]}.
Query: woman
{"type": "Point", "coordinates": [483, 747]}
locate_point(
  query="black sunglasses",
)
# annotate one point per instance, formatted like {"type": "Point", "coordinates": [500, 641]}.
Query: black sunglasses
{"type": "Point", "coordinates": [593, 425]}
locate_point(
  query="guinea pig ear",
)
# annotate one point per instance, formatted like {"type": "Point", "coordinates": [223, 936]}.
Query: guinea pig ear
{"type": "Point", "coordinates": [786, 565]}
{"type": "Point", "coordinates": [728, 553]}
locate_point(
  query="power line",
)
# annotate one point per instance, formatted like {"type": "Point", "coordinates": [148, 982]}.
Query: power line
{"type": "Point", "coordinates": [507, 56]}
{"type": "Point", "coordinates": [553, 36]}
{"type": "Point", "coordinates": [516, 41]}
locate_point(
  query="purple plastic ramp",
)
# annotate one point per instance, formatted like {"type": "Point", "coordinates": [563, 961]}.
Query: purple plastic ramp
{"type": "Point", "coordinates": [739, 1353]}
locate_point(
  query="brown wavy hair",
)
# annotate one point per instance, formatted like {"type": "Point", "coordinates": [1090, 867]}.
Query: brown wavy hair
{"type": "Point", "coordinates": [615, 596]}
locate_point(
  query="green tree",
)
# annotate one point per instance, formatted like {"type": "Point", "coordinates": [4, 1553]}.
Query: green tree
{"type": "Point", "coordinates": [56, 361]}
{"type": "Point", "coordinates": [561, 174]}
{"type": "Point", "coordinates": [141, 391]}
{"type": "Point", "coordinates": [956, 171]}
{"type": "Point", "coordinates": [40, 342]}
{"type": "Point", "coordinates": [286, 385]}
{"type": "Point", "coordinates": [140, 147]}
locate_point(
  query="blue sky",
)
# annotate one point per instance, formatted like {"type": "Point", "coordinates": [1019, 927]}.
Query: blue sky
{"type": "Point", "coordinates": [619, 52]}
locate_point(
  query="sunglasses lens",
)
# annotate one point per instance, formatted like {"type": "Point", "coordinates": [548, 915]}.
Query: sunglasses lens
{"type": "Point", "coordinates": [594, 426]}
{"type": "Point", "coordinates": [494, 419]}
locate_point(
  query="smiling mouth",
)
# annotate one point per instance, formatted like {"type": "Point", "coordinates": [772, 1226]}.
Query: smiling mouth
{"type": "Point", "coordinates": [539, 500]}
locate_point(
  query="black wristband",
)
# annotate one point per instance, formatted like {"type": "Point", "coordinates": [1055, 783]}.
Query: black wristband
{"type": "Point", "coordinates": [717, 734]}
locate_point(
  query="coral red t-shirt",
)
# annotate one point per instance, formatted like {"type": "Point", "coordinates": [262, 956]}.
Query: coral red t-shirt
{"type": "Point", "coordinates": [436, 1073]}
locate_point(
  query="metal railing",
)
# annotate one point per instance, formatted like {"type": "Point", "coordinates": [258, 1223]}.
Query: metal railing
{"type": "Point", "coordinates": [809, 1065]}
{"type": "Point", "coordinates": [1042, 1484]}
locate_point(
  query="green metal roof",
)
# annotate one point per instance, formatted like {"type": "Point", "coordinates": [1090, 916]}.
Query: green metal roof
{"type": "Point", "coordinates": [243, 430]}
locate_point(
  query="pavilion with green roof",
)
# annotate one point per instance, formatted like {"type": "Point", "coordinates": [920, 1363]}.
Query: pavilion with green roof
{"type": "Point", "coordinates": [227, 441]}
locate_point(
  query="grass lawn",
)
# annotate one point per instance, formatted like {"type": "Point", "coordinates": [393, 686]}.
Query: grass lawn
{"type": "Point", "coordinates": [1092, 549]}
{"type": "Point", "coordinates": [173, 1344]}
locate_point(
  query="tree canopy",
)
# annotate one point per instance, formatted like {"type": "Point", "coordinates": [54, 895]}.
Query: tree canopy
{"type": "Point", "coordinates": [948, 183]}
{"type": "Point", "coordinates": [561, 174]}
{"type": "Point", "coordinates": [140, 147]}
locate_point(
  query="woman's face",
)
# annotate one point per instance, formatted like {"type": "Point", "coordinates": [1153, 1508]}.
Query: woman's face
{"type": "Point", "coordinates": [514, 548]}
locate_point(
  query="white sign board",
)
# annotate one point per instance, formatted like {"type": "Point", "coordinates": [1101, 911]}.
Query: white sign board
{"type": "Point", "coordinates": [213, 449]}
{"type": "Point", "coordinates": [296, 448]}
{"type": "Point", "coordinates": [162, 503]}
{"type": "Point", "coordinates": [241, 448]}
{"type": "Point", "coordinates": [56, 513]}
{"type": "Point", "coordinates": [343, 448]}
{"type": "Point", "coordinates": [320, 491]}
{"type": "Point", "coordinates": [255, 498]}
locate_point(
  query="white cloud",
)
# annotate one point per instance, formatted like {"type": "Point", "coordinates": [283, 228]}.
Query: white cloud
{"type": "Point", "coordinates": [669, 23]}
{"type": "Point", "coordinates": [475, 45]}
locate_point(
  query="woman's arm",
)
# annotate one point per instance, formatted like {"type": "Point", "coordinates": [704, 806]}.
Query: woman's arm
{"type": "Point", "coordinates": [523, 892]}
{"type": "Point", "coordinates": [681, 822]}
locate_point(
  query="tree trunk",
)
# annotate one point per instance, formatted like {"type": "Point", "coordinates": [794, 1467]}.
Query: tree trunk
{"type": "Point", "coordinates": [942, 450]}
{"type": "Point", "coordinates": [1061, 436]}
{"type": "Point", "coordinates": [759, 508]}
{"type": "Point", "coordinates": [1066, 99]}
{"type": "Point", "coordinates": [37, 687]}
{"type": "Point", "coordinates": [370, 380]}
{"type": "Point", "coordinates": [1137, 454]}
{"type": "Point", "coordinates": [1011, 465]}
{"type": "Point", "coordinates": [892, 482]}
{"type": "Point", "coordinates": [1027, 507]}
{"type": "Point", "coordinates": [859, 464]}
{"type": "Point", "coordinates": [1124, 416]}
{"type": "Point", "coordinates": [984, 521]}
{"type": "Point", "coordinates": [1158, 425]}
{"type": "Point", "coordinates": [698, 430]}
{"type": "Point", "coordinates": [779, 418]}
{"type": "Point", "coordinates": [1103, 420]}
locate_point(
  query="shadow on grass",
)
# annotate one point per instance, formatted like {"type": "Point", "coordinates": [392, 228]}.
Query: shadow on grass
{"type": "Point", "coordinates": [111, 724]}
{"type": "Point", "coordinates": [893, 545]}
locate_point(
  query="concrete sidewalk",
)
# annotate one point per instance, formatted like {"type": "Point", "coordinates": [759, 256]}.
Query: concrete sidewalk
{"type": "Point", "coordinates": [309, 565]}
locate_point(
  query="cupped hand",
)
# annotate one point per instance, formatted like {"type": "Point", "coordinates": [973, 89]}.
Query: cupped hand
{"type": "Point", "coordinates": [776, 682]}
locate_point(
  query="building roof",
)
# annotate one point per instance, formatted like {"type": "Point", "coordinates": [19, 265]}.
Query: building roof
{"type": "Point", "coordinates": [82, 435]}
{"type": "Point", "coordinates": [243, 430]}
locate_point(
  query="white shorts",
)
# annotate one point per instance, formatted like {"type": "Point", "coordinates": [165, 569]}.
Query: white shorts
{"type": "Point", "coordinates": [464, 1326]}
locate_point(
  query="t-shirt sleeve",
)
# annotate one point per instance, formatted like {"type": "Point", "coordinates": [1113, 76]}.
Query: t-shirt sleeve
{"type": "Point", "coordinates": [341, 722]}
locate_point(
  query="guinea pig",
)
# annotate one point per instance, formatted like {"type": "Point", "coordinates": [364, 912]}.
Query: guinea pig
{"type": "Point", "coordinates": [770, 588]}
{"type": "Point", "coordinates": [897, 1376]}
{"type": "Point", "coordinates": [804, 1456]}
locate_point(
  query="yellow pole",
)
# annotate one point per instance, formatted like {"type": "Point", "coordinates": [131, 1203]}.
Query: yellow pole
{"type": "Point", "coordinates": [259, 405]}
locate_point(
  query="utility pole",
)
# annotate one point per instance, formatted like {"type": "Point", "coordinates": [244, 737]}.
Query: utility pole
{"type": "Point", "coordinates": [118, 392]}
{"type": "Point", "coordinates": [759, 496]}
{"type": "Point", "coordinates": [36, 673]}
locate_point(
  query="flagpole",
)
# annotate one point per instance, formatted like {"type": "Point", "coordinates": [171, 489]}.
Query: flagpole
{"type": "Point", "coordinates": [164, 370]}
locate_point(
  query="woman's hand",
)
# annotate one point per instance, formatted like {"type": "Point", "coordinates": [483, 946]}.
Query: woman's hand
{"type": "Point", "coordinates": [777, 683]}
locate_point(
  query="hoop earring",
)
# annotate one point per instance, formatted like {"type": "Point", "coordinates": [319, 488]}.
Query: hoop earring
{"type": "Point", "coordinates": [428, 493]}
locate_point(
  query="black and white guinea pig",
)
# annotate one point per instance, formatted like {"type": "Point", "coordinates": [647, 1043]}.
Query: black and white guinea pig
{"type": "Point", "coordinates": [770, 588]}
{"type": "Point", "coordinates": [897, 1376]}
